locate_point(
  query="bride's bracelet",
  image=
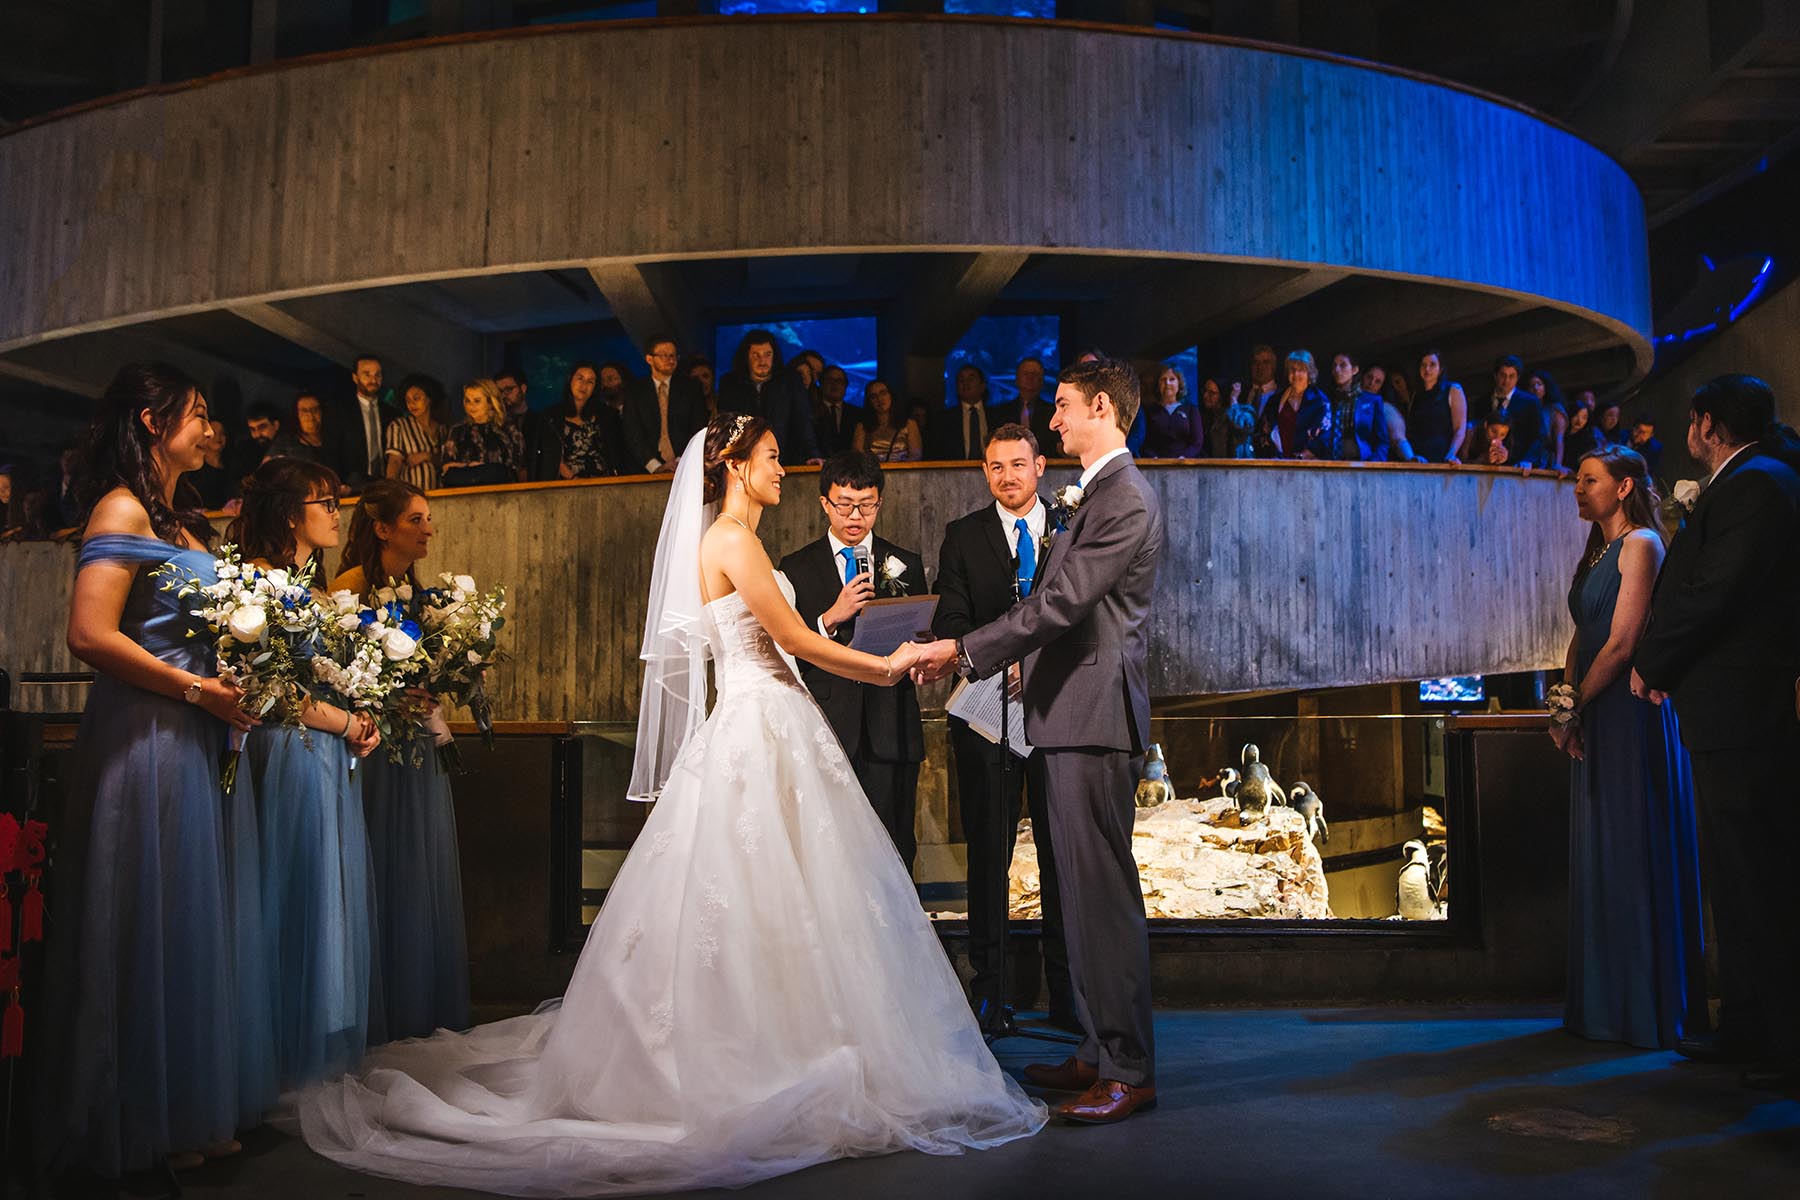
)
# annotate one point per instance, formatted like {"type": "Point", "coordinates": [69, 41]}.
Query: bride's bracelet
{"type": "Point", "coordinates": [1562, 701]}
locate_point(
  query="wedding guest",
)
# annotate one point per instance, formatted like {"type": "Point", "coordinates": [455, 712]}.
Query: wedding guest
{"type": "Point", "coordinates": [144, 1034]}
{"type": "Point", "coordinates": [699, 368]}
{"type": "Point", "coordinates": [1520, 410]}
{"type": "Point", "coordinates": [67, 501]}
{"type": "Point", "coordinates": [988, 563]}
{"type": "Point", "coordinates": [1377, 381]}
{"type": "Point", "coordinates": [1212, 407]}
{"type": "Point", "coordinates": [312, 439]}
{"type": "Point", "coordinates": [662, 411]}
{"type": "Point", "coordinates": [834, 422]}
{"type": "Point", "coordinates": [959, 432]}
{"type": "Point", "coordinates": [1033, 409]}
{"type": "Point", "coordinates": [578, 430]}
{"type": "Point", "coordinates": [881, 433]}
{"type": "Point", "coordinates": [1608, 421]}
{"type": "Point", "coordinates": [1261, 385]}
{"type": "Point", "coordinates": [1634, 889]}
{"type": "Point", "coordinates": [1490, 446]}
{"type": "Point", "coordinates": [316, 911]}
{"type": "Point", "coordinates": [757, 385]}
{"type": "Point", "coordinates": [612, 378]}
{"type": "Point", "coordinates": [262, 425]}
{"type": "Point", "coordinates": [1556, 415]}
{"type": "Point", "coordinates": [483, 449]}
{"type": "Point", "coordinates": [1723, 642]}
{"type": "Point", "coordinates": [360, 453]}
{"type": "Point", "coordinates": [421, 975]}
{"type": "Point", "coordinates": [878, 726]}
{"type": "Point", "coordinates": [416, 437]}
{"type": "Point", "coordinates": [514, 389]}
{"type": "Point", "coordinates": [1359, 417]}
{"type": "Point", "coordinates": [1342, 391]}
{"type": "Point", "coordinates": [1583, 437]}
{"type": "Point", "coordinates": [1438, 422]}
{"type": "Point", "coordinates": [1173, 426]}
{"type": "Point", "coordinates": [1643, 440]}
{"type": "Point", "coordinates": [1296, 422]}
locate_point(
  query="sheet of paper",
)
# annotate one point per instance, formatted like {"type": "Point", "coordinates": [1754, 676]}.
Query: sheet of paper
{"type": "Point", "coordinates": [883, 625]}
{"type": "Point", "coordinates": [979, 705]}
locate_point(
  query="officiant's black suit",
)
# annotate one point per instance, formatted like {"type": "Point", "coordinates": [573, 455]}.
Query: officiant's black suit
{"type": "Point", "coordinates": [1724, 642]}
{"type": "Point", "coordinates": [976, 584]}
{"type": "Point", "coordinates": [878, 726]}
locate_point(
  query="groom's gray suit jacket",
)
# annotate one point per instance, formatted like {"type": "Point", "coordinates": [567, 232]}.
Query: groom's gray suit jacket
{"type": "Point", "coordinates": [1081, 631]}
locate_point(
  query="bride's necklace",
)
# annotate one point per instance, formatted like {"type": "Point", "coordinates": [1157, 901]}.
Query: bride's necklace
{"type": "Point", "coordinates": [738, 519]}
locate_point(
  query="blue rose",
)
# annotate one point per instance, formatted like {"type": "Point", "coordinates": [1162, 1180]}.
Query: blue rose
{"type": "Point", "coordinates": [410, 629]}
{"type": "Point", "coordinates": [366, 616]}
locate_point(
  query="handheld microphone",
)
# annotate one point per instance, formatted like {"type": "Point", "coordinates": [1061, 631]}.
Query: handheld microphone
{"type": "Point", "coordinates": [1015, 579]}
{"type": "Point", "coordinates": [865, 565]}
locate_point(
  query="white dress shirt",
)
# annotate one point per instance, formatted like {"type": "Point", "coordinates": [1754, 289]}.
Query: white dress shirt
{"type": "Point", "coordinates": [1035, 521]}
{"type": "Point", "coordinates": [1735, 455]}
{"type": "Point", "coordinates": [1087, 476]}
{"type": "Point", "coordinates": [837, 560]}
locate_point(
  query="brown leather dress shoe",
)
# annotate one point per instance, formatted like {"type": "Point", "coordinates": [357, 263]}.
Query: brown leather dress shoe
{"type": "Point", "coordinates": [1069, 1075]}
{"type": "Point", "coordinates": [1107, 1102]}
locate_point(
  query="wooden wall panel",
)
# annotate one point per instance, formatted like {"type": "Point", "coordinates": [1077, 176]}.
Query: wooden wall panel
{"type": "Point", "coordinates": [1275, 575]}
{"type": "Point", "coordinates": [654, 141]}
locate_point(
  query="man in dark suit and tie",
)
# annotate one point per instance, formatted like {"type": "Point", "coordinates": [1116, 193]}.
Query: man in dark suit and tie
{"type": "Point", "coordinates": [1526, 442]}
{"type": "Point", "coordinates": [661, 412]}
{"type": "Point", "coordinates": [834, 422]}
{"type": "Point", "coordinates": [1724, 642]}
{"type": "Point", "coordinates": [1033, 409]}
{"type": "Point", "coordinates": [960, 433]}
{"type": "Point", "coordinates": [878, 726]}
{"type": "Point", "coordinates": [988, 563]}
{"type": "Point", "coordinates": [1082, 640]}
{"type": "Point", "coordinates": [358, 429]}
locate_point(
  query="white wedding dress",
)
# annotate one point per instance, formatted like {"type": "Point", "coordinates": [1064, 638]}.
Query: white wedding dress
{"type": "Point", "coordinates": [761, 992]}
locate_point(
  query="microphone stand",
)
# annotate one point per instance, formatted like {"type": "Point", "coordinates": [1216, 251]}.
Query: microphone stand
{"type": "Point", "coordinates": [1002, 1024]}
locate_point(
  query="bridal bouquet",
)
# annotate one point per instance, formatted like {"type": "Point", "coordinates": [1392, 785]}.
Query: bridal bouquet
{"type": "Point", "coordinates": [462, 626]}
{"type": "Point", "coordinates": [260, 622]}
{"type": "Point", "coordinates": [370, 654]}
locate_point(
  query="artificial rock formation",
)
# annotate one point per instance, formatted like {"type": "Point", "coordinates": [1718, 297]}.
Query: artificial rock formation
{"type": "Point", "coordinates": [1197, 859]}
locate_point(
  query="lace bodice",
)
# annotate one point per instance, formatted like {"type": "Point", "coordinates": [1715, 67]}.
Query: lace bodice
{"type": "Point", "coordinates": [744, 655]}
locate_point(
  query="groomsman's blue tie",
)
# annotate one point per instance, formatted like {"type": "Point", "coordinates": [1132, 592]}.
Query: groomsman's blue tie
{"type": "Point", "coordinates": [1027, 557]}
{"type": "Point", "coordinates": [848, 554]}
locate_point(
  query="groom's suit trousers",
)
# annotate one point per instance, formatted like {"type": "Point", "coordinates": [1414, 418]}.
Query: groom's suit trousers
{"type": "Point", "coordinates": [1092, 810]}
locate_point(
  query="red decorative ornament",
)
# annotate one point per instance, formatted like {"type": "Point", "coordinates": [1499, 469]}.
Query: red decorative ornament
{"type": "Point", "coordinates": [31, 912]}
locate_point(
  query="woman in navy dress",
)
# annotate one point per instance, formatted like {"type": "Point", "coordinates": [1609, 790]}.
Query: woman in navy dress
{"type": "Point", "coordinates": [1634, 888]}
{"type": "Point", "coordinates": [317, 913]}
{"type": "Point", "coordinates": [154, 860]}
{"type": "Point", "coordinates": [422, 954]}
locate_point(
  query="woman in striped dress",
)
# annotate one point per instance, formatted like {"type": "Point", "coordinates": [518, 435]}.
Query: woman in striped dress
{"type": "Point", "coordinates": [415, 441]}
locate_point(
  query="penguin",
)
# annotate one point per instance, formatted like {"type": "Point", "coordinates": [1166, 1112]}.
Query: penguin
{"type": "Point", "coordinates": [1258, 789]}
{"type": "Point", "coordinates": [1154, 788]}
{"type": "Point", "coordinates": [1412, 894]}
{"type": "Point", "coordinates": [1306, 802]}
{"type": "Point", "coordinates": [1229, 781]}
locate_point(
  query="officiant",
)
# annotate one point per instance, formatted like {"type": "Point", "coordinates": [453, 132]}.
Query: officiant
{"type": "Point", "coordinates": [988, 563]}
{"type": "Point", "coordinates": [878, 726]}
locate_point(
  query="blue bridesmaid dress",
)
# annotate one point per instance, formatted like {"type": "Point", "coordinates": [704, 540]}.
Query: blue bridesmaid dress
{"type": "Point", "coordinates": [156, 970]}
{"type": "Point", "coordinates": [317, 900]}
{"type": "Point", "coordinates": [422, 948]}
{"type": "Point", "coordinates": [1634, 876]}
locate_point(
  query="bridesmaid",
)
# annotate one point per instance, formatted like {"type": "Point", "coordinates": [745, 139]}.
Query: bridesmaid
{"type": "Point", "coordinates": [317, 912]}
{"type": "Point", "coordinates": [422, 951]}
{"type": "Point", "coordinates": [1634, 889]}
{"type": "Point", "coordinates": [146, 1021]}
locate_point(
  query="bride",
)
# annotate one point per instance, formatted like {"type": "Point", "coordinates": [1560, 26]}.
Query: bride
{"type": "Point", "coordinates": [762, 990]}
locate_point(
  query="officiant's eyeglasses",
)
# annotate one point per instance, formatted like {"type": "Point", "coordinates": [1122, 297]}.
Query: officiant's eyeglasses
{"type": "Point", "coordinates": [866, 508]}
{"type": "Point", "coordinates": [330, 503]}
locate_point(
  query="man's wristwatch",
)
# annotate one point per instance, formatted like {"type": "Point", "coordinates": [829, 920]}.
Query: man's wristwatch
{"type": "Point", "coordinates": [191, 693]}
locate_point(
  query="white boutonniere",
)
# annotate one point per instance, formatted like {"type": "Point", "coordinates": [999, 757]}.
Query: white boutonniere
{"type": "Point", "coordinates": [1686, 492]}
{"type": "Point", "coordinates": [891, 571]}
{"type": "Point", "coordinates": [1068, 497]}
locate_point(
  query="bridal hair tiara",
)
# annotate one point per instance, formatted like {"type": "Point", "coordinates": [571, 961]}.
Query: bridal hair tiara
{"type": "Point", "coordinates": [737, 431]}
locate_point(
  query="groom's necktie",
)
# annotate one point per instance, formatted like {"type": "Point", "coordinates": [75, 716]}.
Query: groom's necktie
{"type": "Point", "coordinates": [848, 554]}
{"type": "Point", "coordinates": [1027, 557]}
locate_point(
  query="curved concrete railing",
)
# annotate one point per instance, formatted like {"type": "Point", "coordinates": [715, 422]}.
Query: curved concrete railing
{"type": "Point", "coordinates": [693, 138]}
{"type": "Point", "coordinates": [1276, 575]}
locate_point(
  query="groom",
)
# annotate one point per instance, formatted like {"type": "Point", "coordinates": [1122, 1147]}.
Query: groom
{"type": "Point", "coordinates": [1080, 635]}
{"type": "Point", "coordinates": [1724, 641]}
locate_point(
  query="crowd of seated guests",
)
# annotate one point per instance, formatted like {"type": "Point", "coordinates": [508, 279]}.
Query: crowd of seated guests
{"type": "Point", "coordinates": [612, 420]}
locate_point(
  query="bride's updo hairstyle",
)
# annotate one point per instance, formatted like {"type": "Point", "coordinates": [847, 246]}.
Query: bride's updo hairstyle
{"type": "Point", "coordinates": [730, 437]}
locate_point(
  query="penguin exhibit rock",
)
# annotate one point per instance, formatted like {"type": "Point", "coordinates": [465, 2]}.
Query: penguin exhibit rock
{"type": "Point", "coordinates": [1303, 800]}
{"type": "Point", "coordinates": [1258, 791]}
{"type": "Point", "coordinates": [1413, 892]}
{"type": "Point", "coordinates": [1154, 788]}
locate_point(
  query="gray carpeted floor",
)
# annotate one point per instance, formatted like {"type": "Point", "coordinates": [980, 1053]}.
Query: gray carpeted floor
{"type": "Point", "coordinates": [1416, 1102]}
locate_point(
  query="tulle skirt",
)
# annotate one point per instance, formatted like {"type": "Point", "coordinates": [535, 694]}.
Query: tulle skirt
{"type": "Point", "coordinates": [317, 902]}
{"type": "Point", "coordinates": [760, 992]}
{"type": "Point", "coordinates": [421, 942]}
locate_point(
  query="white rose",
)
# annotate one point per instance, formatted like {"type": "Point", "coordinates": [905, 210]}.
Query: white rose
{"type": "Point", "coordinates": [487, 631]}
{"type": "Point", "coordinates": [474, 659]}
{"type": "Point", "coordinates": [344, 600]}
{"type": "Point", "coordinates": [1686, 492]}
{"type": "Point", "coordinates": [348, 622]}
{"type": "Point", "coordinates": [246, 597]}
{"type": "Point", "coordinates": [386, 595]}
{"type": "Point", "coordinates": [248, 623]}
{"type": "Point", "coordinates": [277, 577]}
{"type": "Point", "coordinates": [397, 646]}
{"type": "Point", "coordinates": [404, 591]}
{"type": "Point", "coordinates": [465, 583]}
{"type": "Point", "coordinates": [892, 567]}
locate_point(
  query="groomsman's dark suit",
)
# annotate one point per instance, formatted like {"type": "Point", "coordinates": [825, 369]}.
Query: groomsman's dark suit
{"type": "Point", "coordinates": [958, 432]}
{"type": "Point", "coordinates": [977, 583]}
{"type": "Point", "coordinates": [833, 430]}
{"type": "Point", "coordinates": [878, 726]}
{"type": "Point", "coordinates": [781, 402]}
{"type": "Point", "coordinates": [1081, 634]}
{"type": "Point", "coordinates": [1724, 643]}
{"type": "Point", "coordinates": [642, 421]}
{"type": "Point", "coordinates": [347, 440]}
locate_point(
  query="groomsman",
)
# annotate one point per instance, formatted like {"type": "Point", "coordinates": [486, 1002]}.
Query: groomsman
{"type": "Point", "coordinates": [988, 563]}
{"type": "Point", "coordinates": [878, 726]}
{"type": "Point", "coordinates": [661, 412]}
{"type": "Point", "coordinates": [1724, 643]}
